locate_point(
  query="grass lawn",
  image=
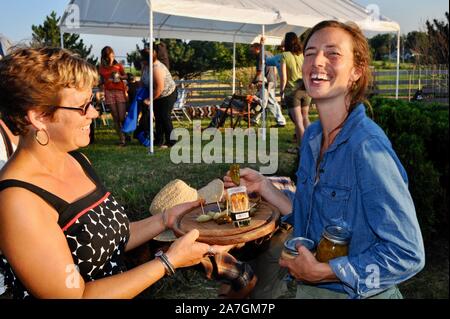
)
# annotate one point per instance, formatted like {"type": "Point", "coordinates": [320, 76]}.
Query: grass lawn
{"type": "Point", "coordinates": [134, 177]}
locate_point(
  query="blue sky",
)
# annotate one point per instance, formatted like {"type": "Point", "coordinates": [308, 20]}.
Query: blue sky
{"type": "Point", "coordinates": [17, 17]}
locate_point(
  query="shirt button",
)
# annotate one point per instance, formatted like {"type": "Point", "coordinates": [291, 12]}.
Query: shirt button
{"type": "Point", "coordinates": [321, 171]}
{"type": "Point", "coordinates": [333, 193]}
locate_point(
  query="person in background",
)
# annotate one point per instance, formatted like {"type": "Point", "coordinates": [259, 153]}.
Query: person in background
{"type": "Point", "coordinates": [8, 143]}
{"type": "Point", "coordinates": [276, 59]}
{"type": "Point", "coordinates": [292, 87]}
{"type": "Point", "coordinates": [132, 86]}
{"type": "Point", "coordinates": [162, 53]}
{"type": "Point", "coordinates": [112, 75]}
{"type": "Point", "coordinates": [270, 75]}
{"type": "Point", "coordinates": [164, 97]}
{"type": "Point", "coordinates": [350, 177]}
{"type": "Point", "coordinates": [62, 233]}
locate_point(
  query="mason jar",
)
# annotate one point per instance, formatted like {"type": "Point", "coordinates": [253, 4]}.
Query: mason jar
{"type": "Point", "coordinates": [333, 244]}
{"type": "Point", "coordinates": [290, 247]}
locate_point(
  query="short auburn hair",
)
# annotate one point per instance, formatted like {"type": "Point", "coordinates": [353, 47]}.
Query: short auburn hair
{"type": "Point", "coordinates": [32, 78]}
{"type": "Point", "coordinates": [361, 57]}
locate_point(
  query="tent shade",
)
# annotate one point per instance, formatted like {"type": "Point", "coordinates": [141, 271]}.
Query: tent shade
{"type": "Point", "coordinates": [237, 21]}
{"type": "Point", "coordinates": [5, 45]}
{"type": "Point", "coordinates": [214, 20]}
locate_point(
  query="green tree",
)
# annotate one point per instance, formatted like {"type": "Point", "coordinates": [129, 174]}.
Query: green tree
{"type": "Point", "coordinates": [48, 34]}
{"type": "Point", "coordinates": [134, 58]}
{"type": "Point", "coordinates": [430, 47]}
{"type": "Point", "coordinates": [438, 36]}
{"type": "Point", "coordinates": [415, 43]}
{"type": "Point", "coordinates": [380, 45]}
{"type": "Point", "coordinates": [190, 59]}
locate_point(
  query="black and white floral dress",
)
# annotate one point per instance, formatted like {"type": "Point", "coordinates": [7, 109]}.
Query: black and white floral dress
{"type": "Point", "coordinates": [96, 228]}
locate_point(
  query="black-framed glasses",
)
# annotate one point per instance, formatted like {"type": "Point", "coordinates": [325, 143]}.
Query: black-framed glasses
{"type": "Point", "coordinates": [82, 108]}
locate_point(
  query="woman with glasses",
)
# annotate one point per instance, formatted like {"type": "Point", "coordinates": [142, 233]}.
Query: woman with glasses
{"type": "Point", "coordinates": [62, 234]}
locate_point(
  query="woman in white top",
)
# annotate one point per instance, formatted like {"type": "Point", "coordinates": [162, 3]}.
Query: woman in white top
{"type": "Point", "coordinates": [8, 143]}
{"type": "Point", "coordinates": [164, 97]}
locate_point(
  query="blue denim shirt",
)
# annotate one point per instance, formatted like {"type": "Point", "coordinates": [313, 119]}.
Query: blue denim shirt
{"type": "Point", "coordinates": [274, 61]}
{"type": "Point", "coordinates": [364, 188]}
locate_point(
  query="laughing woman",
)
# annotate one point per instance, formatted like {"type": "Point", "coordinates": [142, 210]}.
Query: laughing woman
{"type": "Point", "coordinates": [62, 234]}
{"type": "Point", "coordinates": [350, 177]}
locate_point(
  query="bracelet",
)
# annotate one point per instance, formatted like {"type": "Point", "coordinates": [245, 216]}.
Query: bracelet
{"type": "Point", "coordinates": [170, 270]}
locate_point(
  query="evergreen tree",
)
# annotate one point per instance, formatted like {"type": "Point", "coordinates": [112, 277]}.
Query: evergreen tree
{"type": "Point", "coordinates": [48, 34]}
{"type": "Point", "coordinates": [189, 59]}
{"type": "Point", "coordinates": [438, 32]}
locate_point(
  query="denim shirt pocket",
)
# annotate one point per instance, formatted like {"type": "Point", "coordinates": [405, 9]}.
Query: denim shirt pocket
{"type": "Point", "coordinates": [334, 200]}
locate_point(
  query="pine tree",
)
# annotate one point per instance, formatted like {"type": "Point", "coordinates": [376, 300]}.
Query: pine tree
{"type": "Point", "coordinates": [48, 34]}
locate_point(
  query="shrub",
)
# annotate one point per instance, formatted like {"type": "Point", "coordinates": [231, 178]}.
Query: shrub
{"type": "Point", "coordinates": [419, 135]}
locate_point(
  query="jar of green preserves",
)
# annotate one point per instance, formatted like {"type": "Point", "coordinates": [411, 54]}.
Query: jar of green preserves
{"type": "Point", "coordinates": [333, 244]}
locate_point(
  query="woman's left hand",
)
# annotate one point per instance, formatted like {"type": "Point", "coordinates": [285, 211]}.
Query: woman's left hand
{"type": "Point", "coordinates": [305, 267]}
{"type": "Point", "coordinates": [146, 102]}
{"type": "Point", "coordinates": [173, 213]}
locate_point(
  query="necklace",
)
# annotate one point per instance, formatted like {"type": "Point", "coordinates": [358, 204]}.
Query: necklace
{"type": "Point", "coordinates": [331, 139]}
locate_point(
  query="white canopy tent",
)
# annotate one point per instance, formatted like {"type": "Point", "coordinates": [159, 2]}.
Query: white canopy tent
{"type": "Point", "coordinates": [237, 21]}
{"type": "Point", "coordinates": [5, 44]}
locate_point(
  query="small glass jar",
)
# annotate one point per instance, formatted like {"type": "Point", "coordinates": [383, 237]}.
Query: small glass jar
{"type": "Point", "coordinates": [238, 206]}
{"type": "Point", "coordinates": [290, 247]}
{"type": "Point", "coordinates": [334, 243]}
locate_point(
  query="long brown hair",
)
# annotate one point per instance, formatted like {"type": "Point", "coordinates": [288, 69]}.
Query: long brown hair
{"type": "Point", "coordinates": [106, 51]}
{"type": "Point", "coordinates": [361, 58]}
{"type": "Point", "coordinates": [292, 43]}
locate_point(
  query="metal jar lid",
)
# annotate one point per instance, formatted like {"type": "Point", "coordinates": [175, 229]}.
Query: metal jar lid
{"type": "Point", "coordinates": [291, 244]}
{"type": "Point", "coordinates": [337, 234]}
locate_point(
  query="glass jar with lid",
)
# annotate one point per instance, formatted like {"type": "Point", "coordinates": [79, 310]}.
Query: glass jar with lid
{"type": "Point", "coordinates": [291, 245]}
{"type": "Point", "coordinates": [333, 244]}
{"type": "Point", "coordinates": [239, 207]}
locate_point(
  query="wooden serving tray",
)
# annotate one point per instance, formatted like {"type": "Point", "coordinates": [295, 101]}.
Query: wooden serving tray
{"type": "Point", "coordinates": [262, 223]}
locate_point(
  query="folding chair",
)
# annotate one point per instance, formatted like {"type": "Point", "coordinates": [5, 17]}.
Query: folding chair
{"type": "Point", "coordinates": [237, 108]}
{"type": "Point", "coordinates": [179, 105]}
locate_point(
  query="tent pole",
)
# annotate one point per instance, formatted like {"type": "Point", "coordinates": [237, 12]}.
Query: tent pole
{"type": "Point", "coordinates": [263, 88]}
{"type": "Point", "coordinates": [234, 64]}
{"type": "Point", "coordinates": [398, 65]}
{"type": "Point", "coordinates": [150, 70]}
{"type": "Point", "coordinates": [61, 37]}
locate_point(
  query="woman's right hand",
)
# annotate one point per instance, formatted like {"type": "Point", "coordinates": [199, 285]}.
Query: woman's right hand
{"type": "Point", "coordinates": [249, 178]}
{"type": "Point", "coordinates": [185, 251]}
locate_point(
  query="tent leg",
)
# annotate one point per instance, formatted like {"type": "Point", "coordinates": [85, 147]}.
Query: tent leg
{"type": "Point", "coordinates": [61, 37]}
{"type": "Point", "coordinates": [234, 66]}
{"type": "Point", "coordinates": [398, 65]}
{"type": "Point", "coordinates": [263, 88]}
{"type": "Point", "coordinates": [150, 70]}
